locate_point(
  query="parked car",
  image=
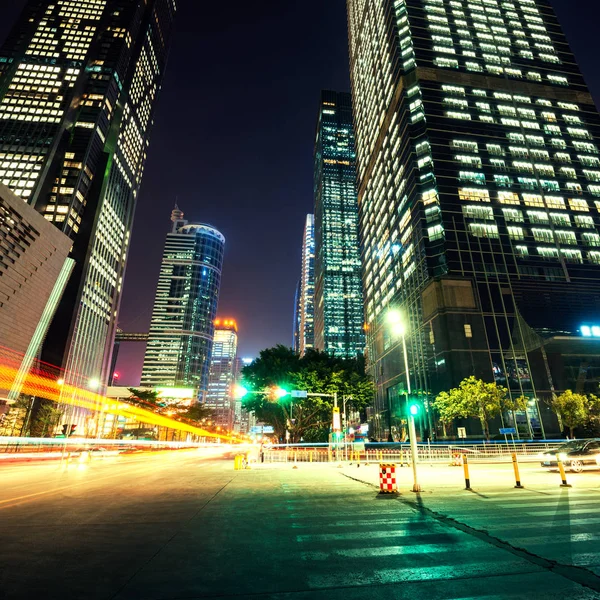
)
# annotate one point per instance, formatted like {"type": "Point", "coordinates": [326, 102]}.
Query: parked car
{"type": "Point", "coordinates": [577, 455]}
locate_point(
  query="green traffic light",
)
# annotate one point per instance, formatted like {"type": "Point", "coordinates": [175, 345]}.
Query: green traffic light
{"type": "Point", "coordinates": [414, 409]}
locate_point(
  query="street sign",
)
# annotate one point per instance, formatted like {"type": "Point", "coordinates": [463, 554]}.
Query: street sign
{"type": "Point", "coordinates": [299, 393]}
{"type": "Point", "coordinates": [508, 430]}
{"type": "Point", "coordinates": [462, 432]}
{"type": "Point", "coordinates": [268, 429]}
{"type": "Point", "coordinates": [337, 424]}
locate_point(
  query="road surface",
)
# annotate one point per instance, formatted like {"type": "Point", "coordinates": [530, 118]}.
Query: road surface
{"type": "Point", "coordinates": [179, 526]}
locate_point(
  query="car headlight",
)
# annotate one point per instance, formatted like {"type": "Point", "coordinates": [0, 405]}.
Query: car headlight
{"type": "Point", "coordinates": [562, 456]}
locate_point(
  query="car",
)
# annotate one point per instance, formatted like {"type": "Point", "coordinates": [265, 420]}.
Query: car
{"type": "Point", "coordinates": [576, 454]}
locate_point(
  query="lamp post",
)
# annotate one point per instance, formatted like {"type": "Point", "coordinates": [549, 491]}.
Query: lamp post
{"type": "Point", "coordinates": [399, 328]}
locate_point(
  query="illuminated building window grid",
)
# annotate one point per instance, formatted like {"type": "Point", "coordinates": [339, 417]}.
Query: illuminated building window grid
{"type": "Point", "coordinates": [338, 290]}
{"type": "Point", "coordinates": [542, 151]}
{"type": "Point", "coordinates": [499, 38]}
{"type": "Point", "coordinates": [393, 240]}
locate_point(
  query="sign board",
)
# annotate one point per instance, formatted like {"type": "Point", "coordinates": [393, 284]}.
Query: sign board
{"type": "Point", "coordinates": [462, 432]}
{"type": "Point", "coordinates": [337, 424]}
{"type": "Point", "coordinates": [298, 393]}
{"type": "Point", "coordinates": [508, 430]}
{"type": "Point", "coordinates": [262, 429]}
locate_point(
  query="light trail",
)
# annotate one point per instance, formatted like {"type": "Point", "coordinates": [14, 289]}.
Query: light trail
{"type": "Point", "coordinates": [43, 384]}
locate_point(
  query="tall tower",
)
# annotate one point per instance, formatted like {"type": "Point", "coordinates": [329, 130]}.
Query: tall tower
{"type": "Point", "coordinates": [306, 310]}
{"type": "Point", "coordinates": [78, 88]}
{"type": "Point", "coordinates": [182, 326]}
{"type": "Point", "coordinates": [223, 373]}
{"type": "Point", "coordinates": [479, 195]}
{"type": "Point", "coordinates": [338, 304]}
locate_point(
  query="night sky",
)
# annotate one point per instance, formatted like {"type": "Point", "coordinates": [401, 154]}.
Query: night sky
{"type": "Point", "coordinates": [233, 142]}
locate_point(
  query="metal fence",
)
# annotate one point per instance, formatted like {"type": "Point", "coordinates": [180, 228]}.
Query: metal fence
{"type": "Point", "coordinates": [400, 453]}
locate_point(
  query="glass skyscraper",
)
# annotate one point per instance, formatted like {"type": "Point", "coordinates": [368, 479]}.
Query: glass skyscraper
{"type": "Point", "coordinates": [338, 305]}
{"type": "Point", "coordinates": [182, 327]}
{"type": "Point", "coordinates": [479, 194]}
{"type": "Point", "coordinates": [223, 374]}
{"type": "Point", "coordinates": [79, 82]}
{"type": "Point", "coordinates": [306, 310]}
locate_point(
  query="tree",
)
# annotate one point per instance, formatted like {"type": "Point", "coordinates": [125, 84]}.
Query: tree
{"type": "Point", "coordinates": [46, 420]}
{"type": "Point", "coordinates": [476, 398]}
{"type": "Point", "coordinates": [143, 398]}
{"type": "Point", "coordinates": [573, 410]}
{"type": "Point", "coordinates": [315, 372]}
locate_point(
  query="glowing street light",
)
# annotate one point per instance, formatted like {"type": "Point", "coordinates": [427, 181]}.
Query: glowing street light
{"type": "Point", "coordinates": [398, 328]}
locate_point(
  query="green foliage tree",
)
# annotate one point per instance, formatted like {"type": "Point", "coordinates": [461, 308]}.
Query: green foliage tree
{"type": "Point", "coordinates": [143, 398]}
{"type": "Point", "coordinates": [46, 419]}
{"type": "Point", "coordinates": [478, 399]}
{"type": "Point", "coordinates": [315, 372]}
{"type": "Point", "coordinates": [572, 409]}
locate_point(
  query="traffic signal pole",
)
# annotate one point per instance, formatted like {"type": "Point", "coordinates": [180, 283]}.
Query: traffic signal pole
{"type": "Point", "coordinates": [411, 423]}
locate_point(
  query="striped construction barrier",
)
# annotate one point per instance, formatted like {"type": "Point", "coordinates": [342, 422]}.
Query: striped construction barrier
{"type": "Point", "coordinates": [387, 479]}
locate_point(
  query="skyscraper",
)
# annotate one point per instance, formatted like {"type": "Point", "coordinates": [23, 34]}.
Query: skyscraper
{"type": "Point", "coordinates": [479, 192]}
{"type": "Point", "coordinates": [338, 304]}
{"type": "Point", "coordinates": [306, 333]}
{"type": "Point", "coordinates": [182, 326]}
{"type": "Point", "coordinates": [296, 322]}
{"type": "Point", "coordinates": [223, 374]}
{"type": "Point", "coordinates": [78, 88]}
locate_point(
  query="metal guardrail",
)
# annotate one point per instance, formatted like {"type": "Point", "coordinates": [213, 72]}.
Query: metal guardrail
{"type": "Point", "coordinates": [427, 453]}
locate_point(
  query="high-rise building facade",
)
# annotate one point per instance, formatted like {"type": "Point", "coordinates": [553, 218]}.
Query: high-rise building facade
{"type": "Point", "coordinates": [306, 305]}
{"type": "Point", "coordinates": [78, 88]}
{"type": "Point", "coordinates": [223, 374]}
{"type": "Point", "coordinates": [185, 308]}
{"type": "Point", "coordinates": [479, 193]}
{"type": "Point", "coordinates": [338, 303]}
{"type": "Point", "coordinates": [296, 321]}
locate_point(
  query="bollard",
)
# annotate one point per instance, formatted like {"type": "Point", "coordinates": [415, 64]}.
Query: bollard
{"type": "Point", "coordinates": [563, 475]}
{"type": "Point", "coordinates": [310, 456]}
{"type": "Point", "coordinates": [466, 468]}
{"type": "Point", "coordinates": [387, 479]}
{"type": "Point", "coordinates": [237, 462]}
{"type": "Point", "coordinates": [516, 468]}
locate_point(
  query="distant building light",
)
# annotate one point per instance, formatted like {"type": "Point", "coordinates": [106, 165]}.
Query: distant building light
{"type": "Point", "coordinates": [590, 331]}
{"type": "Point", "coordinates": [247, 361]}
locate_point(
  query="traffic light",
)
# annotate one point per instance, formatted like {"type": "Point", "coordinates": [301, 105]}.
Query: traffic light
{"type": "Point", "coordinates": [414, 409]}
{"type": "Point", "coordinates": [65, 428]}
{"type": "Point", "coordinates": [73, 428]}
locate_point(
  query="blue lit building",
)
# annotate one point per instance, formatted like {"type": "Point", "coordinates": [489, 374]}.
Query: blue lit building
{"type": "Point", "coordinates": [182, 328]}
{"type": "Point", "coordinates": [338, 299]}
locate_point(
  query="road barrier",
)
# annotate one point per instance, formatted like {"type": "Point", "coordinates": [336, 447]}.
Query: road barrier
{"type": "Point", "coordinates": [387, 479]}
{"type": "Point", "coordinates": [465, 461]}
{"type": "Point", "coordinates": [563, 475]}
{"type": "Point", "coordinates": [516, 469]}
{"type": "Point", "coordinates": [400, 453]}
{"type": "Point", "coordinates": [238, 462]}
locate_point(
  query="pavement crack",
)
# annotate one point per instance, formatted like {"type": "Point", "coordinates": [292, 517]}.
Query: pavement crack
{"type": "Point", "coordinates": [580, 575]}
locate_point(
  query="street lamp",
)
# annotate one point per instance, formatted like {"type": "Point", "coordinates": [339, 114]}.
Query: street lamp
{"type": "Point", "coordinates": [398, 328]}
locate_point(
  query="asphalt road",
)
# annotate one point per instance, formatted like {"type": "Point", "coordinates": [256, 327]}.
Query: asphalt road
{"type": "Point", "coordinates": [174, 526]}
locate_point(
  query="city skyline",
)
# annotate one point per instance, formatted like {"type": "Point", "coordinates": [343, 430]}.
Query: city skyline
{"type": "Point", "coordinates": [144, 264]}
